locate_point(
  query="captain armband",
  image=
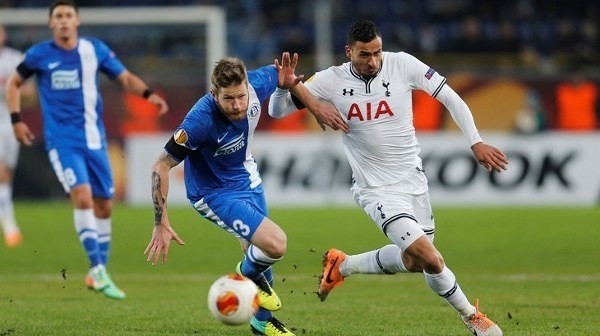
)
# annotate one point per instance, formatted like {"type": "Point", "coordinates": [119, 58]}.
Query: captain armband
{"type": "Point", "coordinates": [177, 151]}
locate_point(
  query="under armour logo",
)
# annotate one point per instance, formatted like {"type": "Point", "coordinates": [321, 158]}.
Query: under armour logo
{"type": "Point", "coordinates": [404, 237]}
{"type": "Point", "coordinates": [387, 90]}
{"type": "Point", "coordinates": [350, 92]}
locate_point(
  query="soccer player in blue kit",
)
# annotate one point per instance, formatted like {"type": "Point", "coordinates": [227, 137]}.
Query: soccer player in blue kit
{"type": "Point", "coordinates": [221, 176]}
{"type": "Point", "coordinates": [66, 68]}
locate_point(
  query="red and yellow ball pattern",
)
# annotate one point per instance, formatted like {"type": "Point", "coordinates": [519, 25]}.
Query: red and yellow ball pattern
{"type": "Point", "coordinates": [228, 303]}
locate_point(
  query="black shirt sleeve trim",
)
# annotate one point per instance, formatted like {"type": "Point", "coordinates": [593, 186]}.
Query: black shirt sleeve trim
{"type": "Point", "coordinates": [297, 102]}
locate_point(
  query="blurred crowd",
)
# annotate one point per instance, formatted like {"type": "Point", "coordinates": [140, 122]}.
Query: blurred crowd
{"type": "Point", "coordinates": [549, 49]}
{"type": "Point", "coordinates": [523, 66]}
{"type": "Point", "coordinates": [259, 29]}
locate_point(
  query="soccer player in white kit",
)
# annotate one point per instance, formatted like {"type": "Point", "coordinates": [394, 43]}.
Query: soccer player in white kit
{"type": "Point", "coordinates": [373, 94]}
{"type": "Point", "coordinates": [9, 147]}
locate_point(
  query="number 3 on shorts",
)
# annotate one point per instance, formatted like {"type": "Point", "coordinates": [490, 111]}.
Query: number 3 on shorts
{"type": "Point", "coordinates": [240, 227]}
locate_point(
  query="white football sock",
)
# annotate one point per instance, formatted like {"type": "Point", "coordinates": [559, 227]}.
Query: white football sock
{"type": "Point", "coordinates": [7, 213]}
{"type": "Point", "coordinates": [444, 284]}
{"type": "Point", "coordinates": [386, 260]}
{"type": "Point", "coordinates": [259, 257]}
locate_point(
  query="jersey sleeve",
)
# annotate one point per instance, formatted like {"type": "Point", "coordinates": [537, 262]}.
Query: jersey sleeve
{"type": "Point", "coordinates": [193, 130]}
{"type": "Point", "coordinates": [16, 57]}
{"type": "Point", "coordinates": [420, 75]}
{"type": "Point", "coordinates": [31, 63]}
{"type": "Point", "coordinates": [108, 61]}
{"type": "Point", "coordinates": [264, 81]}
{"type": "Point", "coordinates": [318, 85]}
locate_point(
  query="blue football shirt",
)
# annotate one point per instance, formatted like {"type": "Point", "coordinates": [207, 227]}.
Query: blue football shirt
{"type": "Point", "coordinates": [68, 88]}
{"type": "Point", "coordinates": [220, 157]}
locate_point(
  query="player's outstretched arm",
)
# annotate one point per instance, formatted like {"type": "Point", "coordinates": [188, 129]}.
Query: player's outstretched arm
{"type": "Point", "coordinates": [162, 233]}
{"type": "Point", "coordinates": [286, 71]}
{"type": "Point", "coordinates": [136, 86]}
{"type": "Point", "coordinates": [490, 157]}
{"type": "Point", "coordinates": [325, 113]}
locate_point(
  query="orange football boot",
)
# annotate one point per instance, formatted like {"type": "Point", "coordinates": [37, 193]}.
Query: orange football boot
{"type": "Point", "coordinates": [13, 239]}
{"type": "Point", "coordinates": [331, 276]}
{"type": "Point", "coordinates": [481, 325]}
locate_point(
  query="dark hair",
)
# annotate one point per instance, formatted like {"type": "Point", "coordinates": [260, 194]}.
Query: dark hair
{"type": "Point", "coordinates": [63, 3]}
{"type": "Point", "coordinates": [228, 71]}
{"type": "Point", "coordinates": [362, 31]}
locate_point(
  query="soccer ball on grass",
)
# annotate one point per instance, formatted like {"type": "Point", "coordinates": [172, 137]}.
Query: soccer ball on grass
{"type": "Point", "coordinates": [233, 299]}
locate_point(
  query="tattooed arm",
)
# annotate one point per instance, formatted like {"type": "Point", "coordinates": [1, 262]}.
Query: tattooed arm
{"type": "Point", "coordinates": [162, 233]}
{"type": "Point", "coordinates": [160, 185]}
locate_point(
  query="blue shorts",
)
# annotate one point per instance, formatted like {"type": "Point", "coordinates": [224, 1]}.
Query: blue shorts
{"type": "Point", "coordinates": [238, 212]}
{"type": "Point", "coordinates": [76, 166]}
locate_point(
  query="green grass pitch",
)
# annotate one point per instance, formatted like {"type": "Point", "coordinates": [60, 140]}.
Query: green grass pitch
{"type": "Point", "coordinates": [536, 271]}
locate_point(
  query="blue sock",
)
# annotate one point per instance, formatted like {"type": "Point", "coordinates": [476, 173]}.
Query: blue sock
{"type": "Point", "coordinates": [91, 248]}
{"type": "Point", "coordinates": [104, 236]}
{"type": "Point", "coordinates": [252, 270]}
{"type": "Point", "coordinates": [263, 314]}
{"type": "Point", "coordinates": [256, 262]}
{"type": "Point", "coordinates": [85, 225]}
{"type": "Point", "coordinates": [104, 250]}
{"type": "Point", "coordinates": [268, 273]}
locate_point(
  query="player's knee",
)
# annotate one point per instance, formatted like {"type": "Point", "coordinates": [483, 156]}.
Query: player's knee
{"type": "Point", "coordinates": [276, 246]}
{"type": "Point", "coordinates": [82, 201]}
{"type": "Point", "coordinates": [81, 197]}
{"type": "Point", "coordinates": [102, 208]}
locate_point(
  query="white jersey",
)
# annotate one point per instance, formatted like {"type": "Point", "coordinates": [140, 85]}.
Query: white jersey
{"type": "Point", "coordinates": [9, 147]}
{"type": "Point", "coordinates": [382, 147]}
{"type": "Point", "coordinates": [9, 59]}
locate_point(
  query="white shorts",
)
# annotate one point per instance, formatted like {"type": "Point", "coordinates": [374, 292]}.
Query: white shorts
{"type": "Point", "coordinates": [9, 147]}
{"type": "Point", "coordinates": [388, 204]}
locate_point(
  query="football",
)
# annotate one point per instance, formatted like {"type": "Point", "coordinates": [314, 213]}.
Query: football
{"type": "Point", "coordinates": [233, 299]}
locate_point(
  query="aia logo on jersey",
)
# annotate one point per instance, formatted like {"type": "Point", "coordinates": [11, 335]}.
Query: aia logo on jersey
{"type": "Point", "coordinates": [369, 111]}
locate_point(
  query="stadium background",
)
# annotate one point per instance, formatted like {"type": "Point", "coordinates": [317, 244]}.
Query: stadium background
{"type": "Point", "coordinates": [532, 262]}
{"type": "Point", "coordinates": [503, 57]}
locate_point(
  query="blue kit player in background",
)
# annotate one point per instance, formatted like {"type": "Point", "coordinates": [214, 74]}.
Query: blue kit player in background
{"type": "Point", "coordinates": [66, 68]}
{"type": "Point", "coordinates": [221, 176]}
